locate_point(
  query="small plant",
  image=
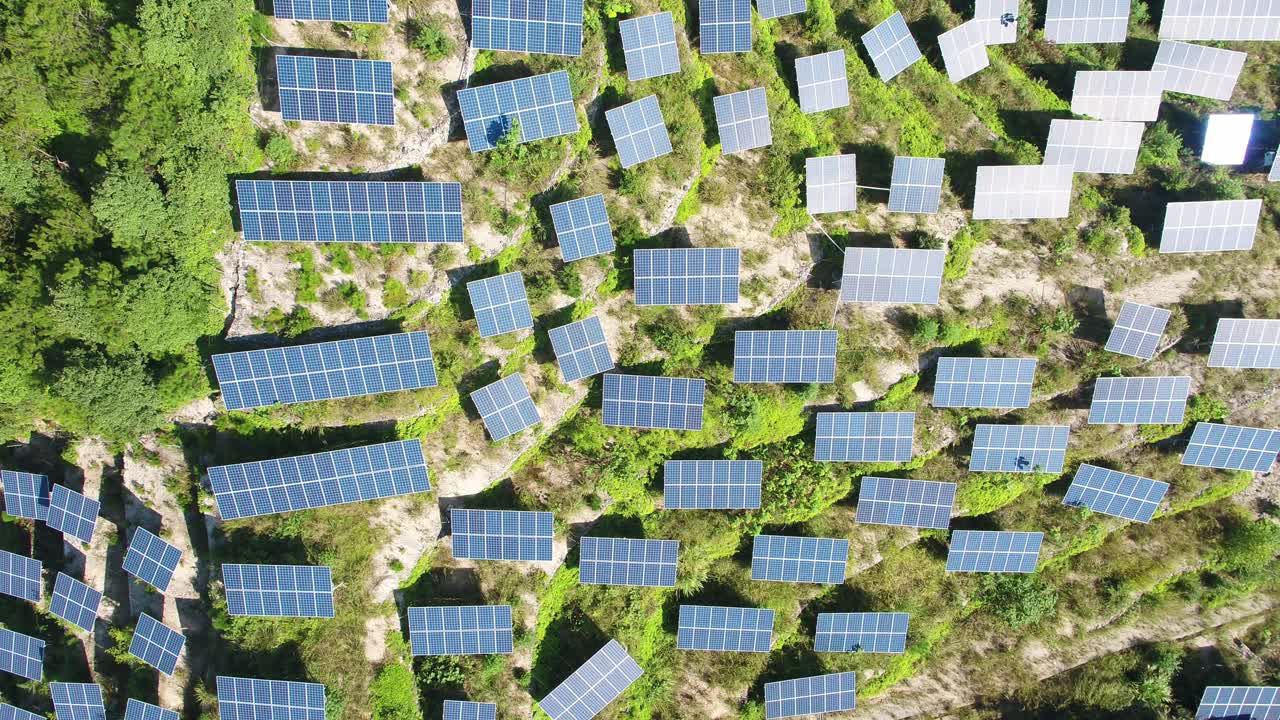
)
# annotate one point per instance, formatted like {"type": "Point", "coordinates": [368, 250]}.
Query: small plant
{"type": "Point", "coordinates": [281, 154]}
{"type": "Point", "coordinates": [307, 279]}
{"type": "Point", "coordinates": [253, 284]}
{"type": "Point", "coordinates": [428, 38]}
{"type": "Point", "coordinates": [394, 294]}
{"type": "Point", "coordinates": [419, 279]}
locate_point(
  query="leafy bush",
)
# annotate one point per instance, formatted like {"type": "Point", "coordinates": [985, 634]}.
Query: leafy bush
{"type": "Point", "coordinates": [394, 694]}
{"type": "Point", "coordinates": [113, 397]}
{"type": "Point", "coordinates": [960, 251]}
{"type": "Point", "coordinates": [307, 280]}
{"type": "Point", "coordinates": [280, 153]}
{"type": "Point", "coordinates": [1017, 600]}
{"type": "Point", "coordinates": [1161, 147]}
{"type": "Point", "coordinates": [428, 38]}
{"type": "Point", "coordinates": [287, 325]}
{"type": "Point", "coordinates": [925, 331]}
{"type": "Point", "coordinates": [394, 294]}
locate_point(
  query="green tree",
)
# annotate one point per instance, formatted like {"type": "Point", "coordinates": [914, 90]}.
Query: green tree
{"type": "Point", "coordinates": [114, 397]}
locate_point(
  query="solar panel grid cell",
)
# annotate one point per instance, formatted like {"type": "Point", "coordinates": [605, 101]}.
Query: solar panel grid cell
{"type": "Point", "coordinates": [873, 632]}
{"type": "Point", "coordinates": [891, 46]}
{"type": "Point", "coordinates": [500, 304]}
{"type": "Point", "coordinates": [639, 131]}
{"type": "Point", "coordinates": [278, 590]}
{"type": "Point", "coordinates": [506, 407]}
{"type": "Point", "coordinates": [501, 535]}
{"type": "Point", "coordinates": [1138, 401]}
{"type": "Point", "coordinates": [252, 699]}
{"type": "Point", "coordinates": [1199, 70]}
{"type": "Point", "coordinates": [21, 655]}
{"type": "Point", "coordinates": [1022, 192]}
{"type": "Point", "coordinates": [906, 503]}
{"type": "Point", "coordinates": [1115, 493]}
{"type": "Point", "coordinates": [784, 356]}
{"type": "Point", "coordinates": [964, 50]}
{"type": "Point", "coordinates": [1232, 447]}
{"type": "Point", "coordinates": [822, 81]}
{"type": "Point", "coordinates": [335, 90]}
{"type": "Point", "coordinates": [984, 382]}
{"type": "Point", "coordinates": [686, 276]}
{"type": "Point", "coordinates": [366, 212]}
{"type": "Point", "coordinates": [864, 437]}
{"type": "Point", "coordinates": [75, 602]}
{"type": "Point", "coordinates": [77, 701]}
{"type": "Point", "coordinates": [592, 686]}
{"type": "Point", "coordinates": [72, 513]}
{"type": "Point", "coordinates": [20, 576]}
{"type": "Point", "coordinates": [138, 710]}
{"type": "Point", "coordinates": [1210, 226]}
{"type": "Point", "coordinates": [711, 484]}
{"type": "Point", "coordinates": [1118, 94]}
{"type": "Point", "coordinates": [1094, 146]}
{"type": "Point", "coordinates": [460, 630]}
{"type": "Point", "coordinates": [1241, 343]}
{"type": "Point", "coordinates": [916, 184]}
{"type": "Point", "coordinates": [831, 184]}
{"type": "Point", "coordinates": [1087, 21]}
{"type": "Point", "coordinates": [1220, 20]}
{"type": "Point", "coordinates": [724, 26]}
{"type": "Point", "coordinates": [892, 275]}
{"type": "Point", "coordinates": [1019, 448]}
{"type": "Point", "coordinates": [581, 349]}
{"type": "Point", "coordinates": [464, 710]}
{"type": "Point", "coordinates": [1138, 330]}
{"type": "Point", "coordinates": [359, 11]}
{"type": "Point", "coordinates": [26, 495]}
{"type": "Point", "coordinates": [994, 551]}
{"type": "Point", "coordinates": [810, 695]}
{"type": "Point", "coordinates": [724, 629]}
{"type": "Point", "coordinates": [626, 561]}
{"type": "Point", "coordinates": [649, 46]}
{"type": "Point", "coordinates": [660, 403]}
{"type": "Point", "coordinates": [551, 27]}
{"type": "Point", "coordinates": [156, 644]}
{"type": "Point", "coordinates": [743, 120]}
{"type": "Point", "coordinates": [542, 107]}
{"type": "Point", "coordinates": [778, 558]}
{"type": "Point", "coordinates": [151, 559]}
{"type": "Point", "coordinates": [1239, 703]}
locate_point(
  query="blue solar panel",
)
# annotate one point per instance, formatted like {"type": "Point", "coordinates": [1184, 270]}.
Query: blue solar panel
{"type": "Point", "coordinates": [1019, 448]}
{"type": "Point", "coordinates": [984, 382]}
{"type": "Point", "coordinates": [891, 47]}
{"type": "Point", "coordinates": [279, 590]}
{"type": "Point", "coordinates": [463, 710]}
{"type": "Point", "coordinates": [325, 371]}
{"type": "Point", "coordinates": [743, 120]}
{"type": "Point", "coordinates": [72, 513]}
{"type": "Point", "coordinates": [1221, 702]}
{"type": "Point", "coordinates": [906, 503]}
{"type": "Point", "coordinates": [711, 484]}
{"type": "Point", "coordinates": [336, 90]}
{"type": "Point", "coordinates": [1232, 447]}
{"type": "Point", "coordinates": [542, 105]}
{"type": "Point", "coordinates": [892, 275]}
{"type": "Point", "coordinates": [501, 535]}
{"type": "Point", "coordinates": [151, 559]}
{"type": "Point", "coordinates": [360, 11]}
{"type": "Point", "coordinates": [251, 699]}
{"type": "Point", "coordinates": [994, 551]}
{"type": "Point", "coordinates": [75, 602]}
{"type": "Point", "coordinates": [591, 687]}
{"type": "Point", "coordinates": [582, 227]}
{"type": "Point", "coordinates": [21, 654]}
{"type": "Point", "coordinates": [784, 356]}
{"type": "Point", "coordinates": [500, 304]}
{"type": "Point", "coordinates": [156, 644]}
{"type": "Point", "coordinates": [649, 46]}
{"type": "Point", "coordinates": [1141, 400]}
{"type": "Point", "coordinates": [329, 478]}
{"type": "Point", "coordinates": [138, 710]}
{"type": "Point", "coordinates": [639, 131]}
{"type": "Point", "coordinates": [873, 632]}
{"type": "Point", "coordinates": [505, 407]}
{"type": "Point", "coordinates": [724, 26]}
{"type": "Point", "coordinates": [9, 712]}
{"type": "Point", "coordinates": [778, 8]}
{"type": "Point", "coordinates": [26, 495]}
{"type": "Point", "coordinates": [581, 349]}
{"type": "Point", "coordinates": [799, 559]}
{"type": "Point", "coordinates": [864, 437]}
{"type": "Point", "coordinates": [810, 695]}
{"type": "Point", "coordinates": [77, 701]}
{"type": "Point", "coordinates": [724, 629]}
{"type": "Point", "coordinates": [641, 401]}
{"type": "Point", "coordinates": [20, 576]}
{"type": "Point", "coordinates": [1137, 330]}
{"type": "Point", "coordinates": [822, 81]}
{"type": "Point", "coordinates": [460, 630]}
{"type": "Point", "coordinates": [686, 276]}
{"type": "Point", "coordinates": [624, 561]}
{"type": "Point", "coordinates": [551, 27]}
{"type": "Point", "coordinates": [1115, 493]}
{"type": "Point", "coordinates": [362, 212]}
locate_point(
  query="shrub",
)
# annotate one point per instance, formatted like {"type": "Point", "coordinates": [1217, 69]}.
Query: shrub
{"type": "Point", "coordinates": [1160, 148]}
{"type": "Point", "coordinates": [280, 153]}
{"type": "Point", "coordinates": [307, 280]}
{"type": "Point", "coordinates": [960, 251]}
{"type": "Point", "coordinates": [394, 294]}
{"type": "Point", "coordinates": [925, 331]}
{"type": "Point", "coordinates": [296, 322]}
{"type": "Point", "coordinates": [1018, 600]}
{"type": "Point", "coordinates": [428, 38]}
{"type": "Point", "coordinates": [419, 279]}
{"type": "Point", "coordinates": [394, 694]}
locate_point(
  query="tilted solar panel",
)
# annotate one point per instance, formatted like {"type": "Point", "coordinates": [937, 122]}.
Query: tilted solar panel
{"type": "Point", "coordinates": [1022, 192]}
{"type": "Point", "coordinates": [869, 632]}
{"type": "Point", "coordinates": [686, 276]}
{"type": "Point", "coordinates": [581, 349]}
{"type": "Point", "coordinates": [864, 437]}
{"type": "Point", "coordinates": [1226, 138]}
{"type": "Point", "coordinates": [9, 712]}
{"type": "Point", "coordinates": [1139, 400]}
{"type": "Point", "coordinates": [649, 46]}
{"type": "Point", "coordinates": [724, 629]}
{"type": "Point", "coordinates": [626, 561]}
{"type": "Point", "coordinates": [151, 559]}
{"type": "Point", "coordinates": [1220, 20]}
{"type": "Point", "coordinates": [742, 119]}
{"type": "Point", "coordinates": [540, 106]}
{"type": "Point", "coordinates": [20, 576]}
{"type": "Point", "coordinates": [361, 212]}
{"type": "Point", "coordinates": [639, 131]}
{"type": "Point", "coordinates": [336, 90]}
{"type": "Point", "coordinates": [156, 644]}
{"type": "Point", "coordinates": [75, 602]}
{"type": "Point", "coordinates": [916, 184]}
{"type": "Point", "coordinates": [994, 551]}
{"type": "Point", "coordinates": [551, 27]}
{"type": "Point", "coordinates": [778, 8]}
{"type": "Point", "coordinates": [500, 304]}
{"type": "Point", "coordinates": [138, 710]}
{"type": "Point", "coordinates": [72, 513]}
{"type": "Point", "coordinates": [465, 710]}
{"type": "Point", "coordinates": [1118, 94]}
{"type": "Point", "coordinates": [26, 495]}
{"type": "Point", "coordinates": [1232, 447]}
{"type": "Point", "coordinates": [711, 484]}
{"type": "Point", "coordinates": [1019, 448]}
{"type": "Point", "coordinates": [1274, 175]}
{"type": "Point", "coordinates": [831, 184]}
{"type": "Point", "coordinates": [984, 382]}
{"type": "Point", "coordinates": [810, 695]}
{"type": "Point", "coordinates": [1221, 702]}
{"type": "Point", "coordinates": [891, 47]}
{"type": "Point", "coordinates": [506, 407]}
{"type": "Point", "coordinates": [252, 699]}
{"type": "Point", "coordinates": [906, 503]}
{"type": "Point", "coordinates": [784, 356]}
{"type": "Point", "coordinates": [501, 535]}
{"type": "Point", "coordinates": [1087, 21]}
{"type": "Point", "coordinates": [892, 275]}
{"type": "Point", "coordinates": [460, 630]}
{"type": "Point", "coordinates": [1210, 226]}
{"type": "Point", "coordinates": [1138, 330]}
{"type": "Point", "coordinates": [279, 590]}
{"type": "Point", "coordinates": [964, 50]}
{"type": "Point", "coordinates": [1199, 70]}
{"type": "Point", "coordinates": [21, 655]}
{"type": "Point", "coordinates": [1246, 344]}
{"type": "Point", "coordinates": [780, 558]}
{"type": "Point", "coordinates": [724, 26]}
{"type": "Point", "coordinates": [592, 686]}
{"type": "Point", "coordinates": [822, 81]}
{"type": "Point", "coordinates": [1094, 146]}
{"type": "Point", "coordinates": [77, 701]}
{"type": "Point", "coordinates": [663, 403]}
{"type": "Point", "coordinates": [999, 20]}
{"type": "Point", "coordinates": [1115, 493]}
{"type": "Point", "coordinates": [357, 11]}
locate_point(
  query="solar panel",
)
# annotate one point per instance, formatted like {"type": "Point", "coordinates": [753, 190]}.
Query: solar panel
{"type": "Point", "coordinates": [784, 356]}
{"type": "Point", "coordinates": [361, 212]}
{"type": "Point", "coordinates": [551, 27]}
{"type": "Point", "coordinates": [1220, 20]}
{"type": "Point", "coordinates": [1087, 21]}
{"type": "Point", "coordinates": [1210, 226]}
{"type": "Point", "coordinates": [662, 403]}
{"type": "Point", "coordinates": [724, 629]}
{"type": "Point", "coordinates": [581, 349]}
{"type": "Point", "coordinates": [26, 495]}
{"type": "Point", "coordinates": [639, 131]}
{"type": "Point", "coordinates": [20, 576]}
{"type": "Point", "coordinates": [1022, 192]}
{"type": "Point", "coordinates": [9, 712]}
{"type": "Point", "coordinates": [1274, 175]}
{"type": "Point", "coordinates": [500, 304]}
{"type": "Point", "coordinates": [1138, 330]}
{"type": "Point", "coordinates": [1199, 70]}
{"type": "Point", "coordinates": [872, 632]}
{"type": "Point", "coordinates": [278, 590]}
{"type": "Point", "coordinates": [460, 630]}
{"type": "Point", "coordinates": [1019, 448]}
{"type": "Point", "coordinates": [686, 276]}
{"type": "Point", "coordinates": [906, 503]}
{"type": "Point", "coordinates": [625, 561]}
{"type": "Point", "coordinates": [77, 701]}
{"type": "Point", "coordinates": [359, 11]}
{"type": "Point", "coordinates": [649, 46]}
{"type": "Point", "coordinates": [1246, 344]}
{"type": "Point", "coordinates": [994, 551]}
{"type": "Point", "coordinates": [1226, 138]}
{"type": "Point", "coordinates": [997, 27]}
{"type": "Point", "coordinates": [505, 407]}
{"type": "Point", "coordinates": [1118, 94]}
{"type": "Point", "coordinates": [336, 477]}
{"type": "Point", "coordinates": [72, 513]}
{"type": "Point", "coordinates": [964, 50]}
{"type": "Point", "coordinates": [1139, 400]}
{"type": "Point", "coordinates": [1239, 703]}
{"type": "Point", "coordinates": [157, 644]}
{"type": "Point", "coordinates": [325, 371]}
{"type": "Point", "coordinates": [891, 275]}
{"type": "Point", "coordinates": [711, 484]}
{"type": "Point", "coordinates": [501, 535]}
{"type": "Point", "coordinates": [541, 105]}
{"type": "Point", "coordinates": [778, 8]}
{"type": "Point", "coordinates": [864, 436]}
{"type": "Point", "coordinates": [891, 46]}
{"type": "Point", "coordinates": [1115, 493]}
{"type": "Point", "coordinates": [151, 559]}
{"type": "Point", "coordinates": [335, 90]}
{"type": "Point", "coordinates": [984, 382]}
{"type": "Point", "coordinates": [252, 699]}
{"type": "Point", "coordinates": [916, 184]}
{"type": "Point", "coordinates": [810, 695]}
{"type": "Point", "coordinates": [463, 710]}
{"type": "Point", "coordinates": [1094, 146]}
{"type": "Point", "coordinates": [780, 558]}
{"type": "Point", "coordinates": [742, 119]}
{"type": "Point", "coordinates": [831, 184]}
{"type": "Point", "coordinates": [724, 26]}
{"type": "Point", "coordinates": [21, 654]}
{"type": "Point", "coordinates": [1232, 447]}
{"type": "Point", "coordinates": [138, 710]}
{"type": "Point", "coordinates": [822, 81]}
{"type": "Point", "coordinates": [75, 602]}
{"type": "Point", "coordinates": [592, 686]}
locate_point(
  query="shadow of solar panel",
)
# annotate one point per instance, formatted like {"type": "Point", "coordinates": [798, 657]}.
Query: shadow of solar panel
{"type": "Point", "coordinates": [335, 90]}
{"type": "Point", "coordinates": [21, 655]}
{"type": "Point", "coordinates": [252, 699]}
{"type": "Point", "coordinates": [541, 106]}
{"type": "Point", "coordinates": [75, 602]}
{"type": "Point", "coordinates": [639, 131]}
{"type": "Point", "coordinates": [592, 686]}
{"type": "Point", "coordinates": [1115, 493]}
{"type": "Point", "coordinates": [916, 184]}
{"type": "Point", "coordinates": [649, 46]}
{"type": "Point", "coordinates": [1138, 330]}
{"type": "Point", "coordinates": [906, 503]}
{"type": "Point", "coordinates": [1211, 226]}
{"type": "Point", "coordinates": [1226, 138]}
{"type": "Point", "coordinates": [26, 495]}
{"type": "Point", "coordinates": [784, 356]}
{"type": "Point", "coordinates": [464, 710]}
{"type": "Point", "coordinates": [278, 590]}
{"type": "Point", "coordinates": [500, 304]}
{"type": "Point", "coordinates": [582, 227]}
{"type": "Point", "coordinates": [505, 407]}
{"type": "Point", "coordinates": [20, 576]}
{"type": "Point", "coordinates": [742, 119]}
{"type": "Point", "coordinates": [964, 51]}
{"type": "Point", "coordinates": [625, 561]}
{"type": "Point", "coordinates": [1022, 192]}
{"type": "Point", "coordinates": [581, 349]}
{"type": "Point", "coordinates": [325, 371]}
{"type": "Point", "coordinates": [357, 11]}
{"type": "Point", "coordinates": [156, 644]}
{"type": "Point", "coordinates": [724, 26]}
{"type": "Point", "coordinates": [891, 47]}
{"type": "Point", "coordinates": [501, 535]}
{"type": "Point", "coordinates": [780, 558]}
{"type": "Point", "coordinates": [661, 403]}
{"type": "Point", "coordinates": [138, 710]}
{"type": "Point", "coordinates": [872, 632]}
{"type": "Point", "coordinates": [460, 630]}
{"type": "Point", "coordinates": [778, 8]}
{"type": "Point", "coordinates": [1087, 21]}
{"type": "Point", "coordinates": [77, 701]}
{"type": "Point", "coordinates": [864, 437]}
{"type": "Point", "coordinates": [711, 484]}
{"type": "Point", "coordinates": [9, 712]}
{"type": "Point", "coordinates": [336, 477]}
{"type": "Point", "coordinates": [984, 382]}
{"type": "Point", "coordinates": [810, 695]}
{"type": "Point", "coordinates": [1094, 146]}
{"type": "Point", "coordinates": [724, 629]}
{"type": "Point", "coordinates": [994, 551]}
{"type": "Point", "coordinates": [151, 559]}
{"type": "Point", "coordinates": [891, 275]}
{"type": "Point", "coordinates": [996, 29]}
{"type": "Point", "coordinates": [550, 27]}
{"type": "Point", "coordinates": [72, 513]}
{"type": "Point", "coordinates": [363, 212]}
{"type": "Point", "coordinates": [1232, 447]}
{"type": "Point", "coordinates": [1220, 702]}
{"type": "Point", "coordinates": [1199, 70]}
{"type": "Point", "coordinates": [1140, 400]}
{"type": "Point", "coordinates": [1246, 344]}
{"type": "Point", "coordinates": [822, 82]}
{"type": "Point", "coordinates": [1019, 448]}
{"type": "Point", "coordinates": [686, 276]}
{"type": "Point", "coordinates": [831, 184]}
{"type": "Point", "coordinates": [1118, 94]}
{"type": "Point", "coordinates": [1220, 20]}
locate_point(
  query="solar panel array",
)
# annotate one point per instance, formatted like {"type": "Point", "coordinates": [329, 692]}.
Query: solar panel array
{"type": "Point", "coordinates": [592, 686]}
{"type": "Point", "coordinates": [151, 559]}
{"type": "Point", "coordinates": [1115, 493]}
{"type": "Point", "coordinates": [1022, 192]}
{"type": "Point", "coordinates": [724, 629]}
{"type": "Point", "coordinates": [991, 14]}
{"type": "Point", "coordinates": [157, 644]}
{"type": "Point", "coordinates": [662, 403]}
{"type": "Point", "coordinates": [9, 712]}
{"type": "Point", "coordinates": [501, 535]}
{"type": "Point", "coordinates": [906, 503]}
{"type": "Point", "coordinates": [891, 46]}
{"type": "Point", "coordinates": [75, 602]}
{"type": "Point", "coordinates": [26, 495]}
{"type": "Point", "coordinates": [359, 11]}
{"type": "Point", "coordinates": [810, 695]}
{"type": "Point", "coordinates": [541, 105]}
{"type": "Point", "coordinates": [994, 551]}
{"type": "Point", "coordinates": [869, 632]}
{"type": "Point", "coordinates": [1220, 20]}
{"type": "Point", "coordinates": [1139, 400]}
{"type": "Point", "coordinates": [460, 630]}
{"type": "Point", "coordinates": [138, 710]}
{"type": "Point", "coordinates": [20, 576]}
{"type": "Point", "coordinates": [336, 90]}
{"type": "Point", "coordinates": [769, 9]}
{"type": "Point", "coordinates": [822, 81]}
{"type": "Point", "coordinates": [779, 558]}
{"type": "Point", "coordinates": [336, 477]}
{"type": "Point", "coordinates": [891, 275]}
{"type": "Point", "coordinates": [831, 184]}
{"type": "Point", "coordinates": [464, 710]}
{"type": "Point", "coordinates": [964, 50]}
{"type": "Point", "coordinates": [552, 27]}
{"type": "Point", "coordinates": [72, 513]}
{"type": "Point", "coordinates": [1232, 447]}
{"type": "Point", "coordinates": [784, 356]}
{"type": "Point", "coordinates": [1210, 226]}
{"type": "Point", "coordinates": [649, 46]}
{"type": "Point", "coordinates": [864, 436]}
{"type": "Point", "coordinates": [1118, 94]}
{"type": "Point", "coordinates": [581, 349]}
{"type": "Point", "coordinates": [325, 371]}
{"type": "Point", "coordinates": [1087, 21]}
{"type": "Point", "coordinates": [1220, 702]}
{"type": "Point", "coordinates": [1138, 330]}
{"type": "Point", "coordinates": [252, 699]}
{"type": "Point", "coordinates": [742, 119]}
{"type": "Point", "coordinates": [916, 184]}
{"type": "Point", "coordinates": [21, 654]}
{"type": "Point", "coordinates": [639, 131]}
{"type": "Point", "coordinates": [686, 276]}
{"type": "Point", "coordinates": [711, 484]}
{"type": "Point", "coordinates": [984, 382]}
{"type": "Point", "coordinates": [77, 701]}
{"type": "Point", "coordinates": [1094, 146]}
{"type": "Point", "coordinates": [1226, 138]}
{"type": "Point", "coordinates": [363, 212]}
{"type": "Point", "coordinates": [1019, 448]}
{"type": "Point", "coordinates": [1246, 344]}
{"type": "Point", "coordinates": [506, 407]}
{"type": "Point", "coordinates": [625, 561]}
{"type": "Point", "coordinates": [724, 26]}
{"type": "Point", "coordinates": [500, 304]}
{"type": "Point", "coordinates": [279, 590]}
{"type": "Point", "coordinates": [1199, 70]}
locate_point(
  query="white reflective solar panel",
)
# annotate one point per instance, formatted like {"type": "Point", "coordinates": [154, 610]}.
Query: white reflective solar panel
{"type": "Point", "coordinates": [1199, 70]}
{"type": "Point", "coordinates": [582, 227]}
{"type": "Point", "coordinates": [724, 26]}
{"type": "Point", "coordinates": [1226, 138]}
{"type": "Point", "coordinates": [1220, 20]}
{"type": "Point", "coordinates": [21, 655]}
{"type": "Point", "coordinates": [279, 590]}
{"type": "Point", "coordinates": [994, 551]}
{"type": "Point", "coordinates": [1087, 21]}
{"type": "Point", "coordinates": [1115, 493]}
{"type": "Point", "coordinates": [743, 120]}
{"type": "Point", "coordinates": [1246, 344]}
{"type": "Point", "coordinates": [892, 275]}
{"type": "Point", "coordinates": [26, 495]}
{"type": "Point", "coordinates": [778, 558]}
{"type": "Point", "coordinates": [1138, 330]}
{"type": "Point", "coordinates": [639, 131]}
{"type": "Point", "coordinates": [891, 47]}
{"type": "Point", "coordinates": [686, 276]}
{"type": "Point", "coordinates": [501, 534]}
{"type": "Point", "coordinates": [711, 484]}
{"type": "Point", "coordinates": [784, 356]}
{"type": "Point", "coordinates": [964, 51]}
{"type": "Point", "coordinates": [869, 632]}
{"type": "Point", "coordinates": [335, 90]}
{"type": "Point", "coordinates": [1232, 447]}
{"type": "Point", "coordinates": [359, 11]}
{"type": "Point", "coordinates": [366, 212]}
{"type": "Point", "coordinates": [906, 503]}
{"type": "Point", "coordinates": [541, 105]}
{"type": "Point", "coordinates": [552, 27]}
{"type": "Point", "coordinates": [864, 436]}
{"type": "Point", "coordinates": [75, 602]}
{"type": "Point", "coordinates": [1274, 175]}
{"type": "Point", "coordinates": [822, 81]}
{"type": "Point", "coordinates": [831, 184]}
{"type": "Point", "coordinates": [1094, 146]}
{"type": "Point", "coordinates": [724, 629]}
{"type": "Point", "coordinates": [591, 687]}
{"type": "Point", "coordinates": [138, 710]}
{"type": "Point", "coordinates": [1139, 400]}
{"type": "Point", "coordinates": [466, 710]}
{"type": "Point", "coordinates": [500, 304]}
{"type": "Point", "coordinates": [252, 699]}
{"type": "Point", "coordinates": [778, 8]}
{"type": "Point", "coordinates": [506, 407]}
{"type": "Point", "coordinates": [916, 184]}
{"type": "Point", "coordinates": [999, 20]}
{"type": "Point", "coordinates": [581, 349]}
{"type": "Point", "coordinates": [77, 701]}
{"type": "Point", "coordinates": [660, 403]}
{"type": "Point", "coordinates": [1221, 702]}
{"type": "Point", "coordinates": [151, 559]}
{"type": "Point", "coordinates": [627, 561]}
{"type": "Point", "coordinates": [1210, 226]}
{"type": "Point", "coordinates": [1118, 94]}
{"type": "Point", "coordinates": [649, 45]}
{"type": "Point", "coordinates": [20, 576]}
{"type": "Point", "coordinates": [1019, 448]}
{"type": "Point", "coordinates": [460, 630]}
{"type": "Point", "coordinates": [984, 382]}
{"type": "Point", "coordinates": [810, 695]}
{"type": "Point", "coordinates": [1022, 192]}
{"type": "Point", "coordinates": [156, 644]}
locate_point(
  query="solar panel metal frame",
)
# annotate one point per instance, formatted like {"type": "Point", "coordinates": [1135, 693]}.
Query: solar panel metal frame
{"type": "Point", "coordinates": [657, 403]}
{"type": "Point", "coordinates": [916, 184]}
{"type": "Point", "coordinates": [1226, 138]}
{"type": "Point", "coordinates": [1210, 226]}
{"type": "Point", "coordinates": [1019, 448]}
{"type": "Point", "coordinates": [26, 495]}
{"type": "Point", "coordinates": [901, 502]}
{"type": "Point", "coordinates": [548, 27]}
{"type": "Point", "coordinates": [868, 632]}
{"type": "Point", "coordinates": [994, 551]}
{"type": "Point", "coordinates": [891, 47]}
{"type": "Point", "coordinates": [352, 11]}
{"type": "Point", "coordinates": [250, 698]}
{"type": "Point", "coordinates": [72, 513]}
{"type": "Point", "coordinates": [1274, 175]}
{"type": "Point", "coordinates": [1241, 343]}
{"type": "Point", "coordinates": [1022, 192]}
{"type": "Point", "coordinates": [711, 484]}
{"type": "Point", "coordinates": [822, 81]}
{"type": "Point", "coordinates": [717, 628]}
{"type": "Point", "coordinates": [784, 558]}
{"type": "Point", "coordinates": [742, 120]}
{"type": "Point", "coordinates": [1139, 400]}
{"type": "Point", "coordinates": [21, 576]}
{"type": "Point", "coordinates": [864, 436]}
{"type": "Point", "coordinates": [506, 407]}
{"type": "Point", "coordinates": [1198, 69]}
{"type": "Point", "coordinates": [517, 535]}
{"type": "Point", "coordinates": [594, 685]}
{"type": "Point", "coordinates": [1086, 21]}
{"type": "Point", "coordinates": [500, 303]}
{"type": "Point", "coordinates": [686, 276]}
{"type": "Point", "coordinates": [834, 692]}
{"type": "Point", "coordinates": [639, 131]}
{"type": "Point", "coordinates": [581, 349]}
{"type": "Point", "coordinates": [989, 13]}
{"type": "Point", "coordinates": [627, 561]}
{"type": "Point", "coordinates": [831, 184]}
{"type": "Point", "coordinates": [157, 644]}
{"type": "Point", "coordinates": [984, 382]}
{"type": "Point", "coordinates": [467, 710]}
{"type": "Point", "coordinates": [21, 655]}
{"type": "Point", "coordinates": [10, 712]}
{"type": "Point", "coordinates": [139, 710]}
{"type": "Point", "coordinates": [460, 630]}
{"type": "Point", "coordinates": [724, 26]}
{"type": "Point", "coordinates": [784, 356]}
{"type": "Point", "coordinates": [892, 275]}
{"type": "Point", "coordinates": [649, 46]}
{"type": "Point", "coordinates": [770, 9]}
{"type": "Point", "coordinates": [278, 590]}
{"type": "Point", "coordinates": [1232, 447]}
{"type": "Point", "coordinates": [335, 90]}
{"type": "Point", "coordinates": [1115, 493]}
{"type": "Point", "coordinates": [1126, 95]}
{"type": "Point", "coordinates": [964, 50]}
{"type": "Point", "coordinates": [1228, 702]}
{"type": "Point", "coordinates": [77, 701]}
{"type": "Point", "coordinates": [75, 602]}
{"type": "Point", "coordinates": [1220, 20]}
{"type": "Point", "coordinates": [151, 559]}
{"type": "Point", "coordinates": [346, 211]}
{"type": "Point", "coordinates": [542, 104]}
{"type": "Point", "coordinates": [1094, 146]}
{"type": "Point", "coordinates": [1138, 330]}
